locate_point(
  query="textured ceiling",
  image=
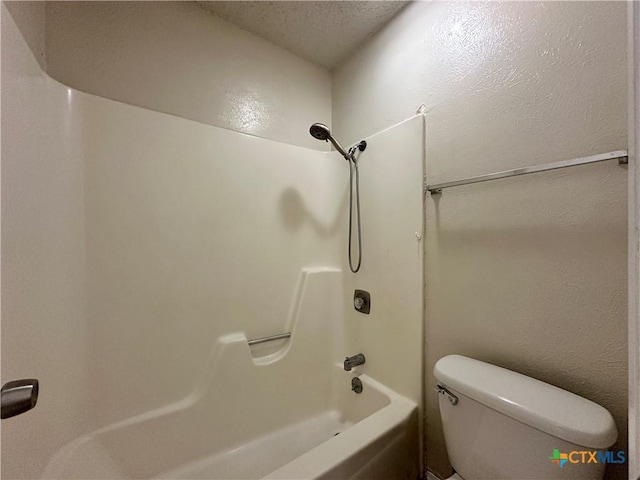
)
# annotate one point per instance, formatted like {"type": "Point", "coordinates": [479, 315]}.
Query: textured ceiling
{"type": "Point", "coordinates": [323, 32]}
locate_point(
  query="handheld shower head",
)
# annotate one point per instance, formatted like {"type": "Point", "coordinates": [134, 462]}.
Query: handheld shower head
{"type": "Point", "coordinates": [322, 132]}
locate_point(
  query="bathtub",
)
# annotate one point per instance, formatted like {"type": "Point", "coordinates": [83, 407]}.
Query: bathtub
{"type": "Point", "coordinates": [368, 435]}
{"type": "Point", "coordinates": [279, 410]}
{"type": "Point", "coordinates": [371, 435]}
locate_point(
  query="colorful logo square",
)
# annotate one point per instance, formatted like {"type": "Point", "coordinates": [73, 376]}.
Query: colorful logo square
{"type": "Point", "coordinates": [559, 458]}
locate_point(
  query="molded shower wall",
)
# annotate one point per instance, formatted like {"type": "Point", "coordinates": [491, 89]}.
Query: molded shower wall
{"type": "Point", "coordinates": [391, 271]}
{"type": "Point", "coordinates": [133, 240]}
{"type": "Point", "coordinates": [528, 273]}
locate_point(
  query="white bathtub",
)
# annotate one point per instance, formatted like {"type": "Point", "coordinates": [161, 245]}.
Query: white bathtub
{"type": "Point", "coordinates": [368, 435]}
{"type": "Point", "coordinates": [269, 411]}
{"type": "Point", "coordinates": [372, 435]}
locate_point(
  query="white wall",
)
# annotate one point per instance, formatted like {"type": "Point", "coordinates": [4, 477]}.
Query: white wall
{"type": "Point", "coordinates": [390, 336]}
{"type": "Point", "coordinates": [44, 328]}
{"type": "Point", "coordinates": [132, 240]}
{"type": "Point", "coordinates": [528, 273]}
{"type": "Point", "coordinates": [391, 216]}
{"type": "Point", "coordinates": [525, 84]}
{"type": "Point", "coordinates": [192, 232]}
{"type": "Point", "coordinates": [177, 58]}
{"type": "Point", "coordinates": [634, 241]}
{"type": "Point", "coordinates": [30, 19]}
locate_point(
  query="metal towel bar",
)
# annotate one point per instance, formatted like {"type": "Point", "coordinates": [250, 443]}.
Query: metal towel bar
{"type": "Point", "coordinates": [620, 155]}
{"type": "Point", "coordinates": [271, 338]}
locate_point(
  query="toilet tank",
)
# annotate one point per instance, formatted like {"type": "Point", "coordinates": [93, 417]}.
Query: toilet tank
{"type": "Point", "coordinates": [499, 424]}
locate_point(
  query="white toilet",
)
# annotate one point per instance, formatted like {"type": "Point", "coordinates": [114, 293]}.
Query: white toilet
{"type": "Point", "coordinates": [499, 424]}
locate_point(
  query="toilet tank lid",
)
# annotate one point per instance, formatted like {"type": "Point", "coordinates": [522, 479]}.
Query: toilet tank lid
{"type": "Point", "coordinates": [530, 401]}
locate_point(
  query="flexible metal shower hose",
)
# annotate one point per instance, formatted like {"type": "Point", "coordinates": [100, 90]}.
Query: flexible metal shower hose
{"type": "Point", "coordinates": [352, 151]}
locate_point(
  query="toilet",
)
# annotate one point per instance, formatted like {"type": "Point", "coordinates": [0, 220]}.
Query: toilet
{"type": "Point", "coordinates": [499, 424]}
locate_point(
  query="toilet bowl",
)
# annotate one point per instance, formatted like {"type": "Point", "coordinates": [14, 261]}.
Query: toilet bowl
{"type": "Point", "coordinates": [499, 424]}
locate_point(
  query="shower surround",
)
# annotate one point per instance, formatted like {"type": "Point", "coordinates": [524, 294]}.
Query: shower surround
{"type": "Point", "coordinates": [141, 251]}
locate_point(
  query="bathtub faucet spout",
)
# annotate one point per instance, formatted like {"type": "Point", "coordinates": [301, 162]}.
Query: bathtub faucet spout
{"type": "Point", "coordinates": [354, 361]}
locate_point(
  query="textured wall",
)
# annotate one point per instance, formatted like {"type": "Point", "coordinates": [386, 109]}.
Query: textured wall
{"type": "Point", "coordinates": [177, 58]}
{"type": "Point", "coordinates": [528, 273]}
{"type": "Point", "coordinates": [634, 240]}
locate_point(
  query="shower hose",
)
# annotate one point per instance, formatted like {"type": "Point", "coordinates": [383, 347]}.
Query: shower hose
{"type": "Point", "coordinates": [353, 167]}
